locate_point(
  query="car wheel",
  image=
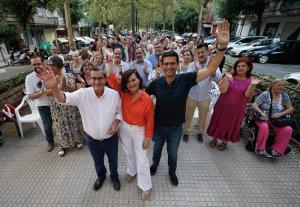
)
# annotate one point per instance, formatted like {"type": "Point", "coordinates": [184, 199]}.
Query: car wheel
{"type": "Point", "coordinates": [243, 53]}
{"type": "Point", "coordinates": [263, 59]}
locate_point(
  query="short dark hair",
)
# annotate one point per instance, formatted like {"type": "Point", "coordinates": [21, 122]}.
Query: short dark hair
{"type": "Point", "coordinates": [125, 77]}
{"type": "Point", "coordinates": [170, 53]}
{"type": "Point", "coordinates": [57, 61]}
{"type": "Point", "coordinates": [96, 69]}
{"type": "Point", "coordinates": [245, 60]}
{"type": "Point", "coordinates": [200, 45]}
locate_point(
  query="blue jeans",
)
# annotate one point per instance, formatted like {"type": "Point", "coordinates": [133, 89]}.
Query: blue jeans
{"type": "Point", "coordinates": [97, 149]}
{"type": "Point", "coordinates": [172, 136]}
{"type": "Point", "coordinates": [45, 114]}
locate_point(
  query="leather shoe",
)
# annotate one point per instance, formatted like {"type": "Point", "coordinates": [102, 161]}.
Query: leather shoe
{"type": "Point", "coordinates": [185, 138]}
{"type": "Point", "coordinates": [116, 184]}
{"type": "Point", "coordinates": [98, 184]}
{"type": "Point", "coordinates": [200, 138]}
{"type": "Point", "coordinates": [153, 169]}
{"type": "Point", "coordinates": [173, 178]}
{"type": "Point", "coordinates": [50, 147]}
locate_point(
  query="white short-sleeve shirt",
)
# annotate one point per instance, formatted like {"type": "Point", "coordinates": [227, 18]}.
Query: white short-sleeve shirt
{"type": "Point", "coordinates": [97, 113]}
{"type": "Point", "coordinates": [33, 85]}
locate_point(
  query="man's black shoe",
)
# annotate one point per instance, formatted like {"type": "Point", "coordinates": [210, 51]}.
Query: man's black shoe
{"type": "Point", "coordinates": [116, 184]}
{"type": "Point", "coordinates": [185, 137]}
{"type": "Point", "coordinates": [153, 169]}
{"type": "Point", "coordinates": [200, 138]}
{"type": "Point", "coordinates": [173, 179]}
{"type": "Point", "coordinates": [98, 184]}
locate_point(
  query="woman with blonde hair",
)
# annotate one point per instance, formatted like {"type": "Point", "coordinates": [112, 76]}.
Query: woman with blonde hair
{"type": "Point", "coordinates": [98, 60]}
{"type": "Point", "coordinates": [273, 104]}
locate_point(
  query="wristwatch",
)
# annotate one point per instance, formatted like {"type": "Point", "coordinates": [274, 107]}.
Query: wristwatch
{"type": "Point", "coordinates": [221, 49]}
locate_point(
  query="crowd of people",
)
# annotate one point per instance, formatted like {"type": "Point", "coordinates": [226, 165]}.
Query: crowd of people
{"type": "Point", "coordinates": [117, 93]}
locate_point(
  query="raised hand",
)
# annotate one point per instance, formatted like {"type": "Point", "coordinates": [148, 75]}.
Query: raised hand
{"type": "Point", "coordinates": [228, 75]}
{"type": "Point", "coordinates": [47, 76]}
{"type": "Point", "coordinates": [255, 81]}
{"type": "Point", "coordinates": [222, 33]}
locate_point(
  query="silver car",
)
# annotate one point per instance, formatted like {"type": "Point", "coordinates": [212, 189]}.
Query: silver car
{"type": "Point", "coordinates": [240, 50]}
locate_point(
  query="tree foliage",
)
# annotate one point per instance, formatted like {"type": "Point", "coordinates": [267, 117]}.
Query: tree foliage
{"type": "Point", "coordinates": [24, 10]}
{"type": "Point", "coordinates": [77, 8]}
{"type": "Point", "coordinates": [7, 33]}
{"type": "Point", "coordinates": [232, 9]}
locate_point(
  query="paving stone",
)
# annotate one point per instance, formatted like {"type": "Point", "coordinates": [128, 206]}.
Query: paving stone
{"type": "Point", "coordinates": [29, 176]}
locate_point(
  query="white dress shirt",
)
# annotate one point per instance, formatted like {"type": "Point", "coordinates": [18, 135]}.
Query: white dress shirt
{"type": "Point", "coordinates": [97, 113]}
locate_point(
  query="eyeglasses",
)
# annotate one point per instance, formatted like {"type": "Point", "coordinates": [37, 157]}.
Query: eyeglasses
{"type": "Point", "coordinates": [51, 65]}
{"type": "Point", "coordinates": [97, 78]}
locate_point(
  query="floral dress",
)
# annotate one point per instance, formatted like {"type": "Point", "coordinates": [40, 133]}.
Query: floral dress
{"type": "Point", "coordinates": [67, 121]}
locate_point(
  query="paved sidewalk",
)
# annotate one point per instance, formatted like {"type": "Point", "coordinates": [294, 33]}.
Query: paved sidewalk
{"type": "Point", "coordinates": [29, 176]}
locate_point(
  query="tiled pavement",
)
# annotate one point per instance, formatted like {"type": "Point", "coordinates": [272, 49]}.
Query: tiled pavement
{"type": "Point", "coordinates": [29, 176]}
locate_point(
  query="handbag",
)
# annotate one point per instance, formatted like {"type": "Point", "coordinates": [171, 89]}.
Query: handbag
{"type": "Point", "coordinates": [280, 121]}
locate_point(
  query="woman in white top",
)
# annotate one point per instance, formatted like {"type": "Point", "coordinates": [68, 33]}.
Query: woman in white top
{"type": "Point", "coordinates": [75, 63]}
{"type": "Point", "coordinates": [187, 59]}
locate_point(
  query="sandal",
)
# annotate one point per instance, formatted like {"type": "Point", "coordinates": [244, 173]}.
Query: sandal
{"type": "Point", "coordinates": [222, 146]}
{"type": "Point", "coordinates": [213, 143]}
{"type": "Point", "coordinates": [61, 151]}
{"type": "Point", "coordinates": [145, 195]}
{"type": "Point", "coordinates": [79, 146]}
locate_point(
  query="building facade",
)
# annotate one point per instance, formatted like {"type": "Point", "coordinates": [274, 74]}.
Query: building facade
{"type": "Point", "coordinates": [281, 18]}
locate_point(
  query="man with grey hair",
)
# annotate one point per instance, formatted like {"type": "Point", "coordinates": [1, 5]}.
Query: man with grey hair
{"type": "Point", "coordinates": [100, 110]}
{"type": "Point", "coordinates": [158, 47]}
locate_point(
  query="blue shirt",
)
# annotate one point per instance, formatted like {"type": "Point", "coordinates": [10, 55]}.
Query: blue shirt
{"type": "Point", "coordinates": [171, 99]}
{"type": "Point", "coordinates": [140, 69]}
{"type": "Point", "coordinates": [153, 59]}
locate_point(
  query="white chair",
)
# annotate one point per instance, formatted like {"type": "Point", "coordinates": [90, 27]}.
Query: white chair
{"type": "Point", "coordinates": [34, 117]}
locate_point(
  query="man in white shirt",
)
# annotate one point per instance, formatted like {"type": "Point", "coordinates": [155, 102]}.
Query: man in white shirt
{"type": "Point", "coordinates": [36, 90]}
{"type": "Point", "coordinates": [100, 110]}
{"type": "Point", "coordinates": [54, 52]}
{"type": "Point", "coordinates": [118, 65]}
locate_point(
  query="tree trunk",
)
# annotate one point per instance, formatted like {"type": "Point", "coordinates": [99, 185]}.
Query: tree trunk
{"type": "Point", "coordinates": [68, 22]}
{"type": "Point", "coordinates": [259, 22]}
{"type": "Point", "coordinates": [199, 28]}
{"type": "Point", "coordinates": [133, 17]}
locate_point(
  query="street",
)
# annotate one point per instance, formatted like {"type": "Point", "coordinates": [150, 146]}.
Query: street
{"type": "Point", "coordinates": [276, 70]}
{"type": "Point", "coordinates": [13, 71]}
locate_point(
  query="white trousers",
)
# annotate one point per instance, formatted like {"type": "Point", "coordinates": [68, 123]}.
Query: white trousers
{"type": "Point", "coordinates": [131, 139]}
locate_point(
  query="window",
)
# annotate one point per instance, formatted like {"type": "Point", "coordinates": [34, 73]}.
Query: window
{"type": "Point", "coordinates": [252, 30]}
{"type": "Point", "coordinates": [271, 29]}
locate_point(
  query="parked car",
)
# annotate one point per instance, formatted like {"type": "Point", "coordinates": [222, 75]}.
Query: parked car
{"type": "Point", "coordinates": [281, 52]}
{"type": "Point", "coordinates": [179, 39]}
{"type": "Point", "coordinates": [234, 38]}
{"type": "Point", "coordinates": [210, 39]}
{"type": "Point", "coordinates": [293, 78]}
{"type": "Point", "coordinates": [91, 40]}
{"type": "Point", "coordinates": [240, 50]}
{"type": "Point", "coordinates": [80, 42]}
{"type": "Point", "coordinates": [242, 41]}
